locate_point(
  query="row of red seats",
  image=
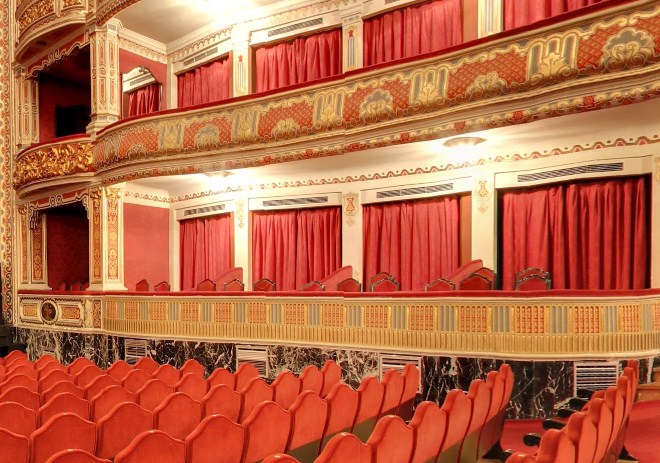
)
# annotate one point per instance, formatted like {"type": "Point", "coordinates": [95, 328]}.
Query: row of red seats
{"type": "Point", "coordinates": [596, 433]}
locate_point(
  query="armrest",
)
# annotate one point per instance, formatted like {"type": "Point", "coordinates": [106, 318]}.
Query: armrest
{"type": "Point", "coordinates": [532, 440]}
{"type": "Point", "coordinates": [553, 424]}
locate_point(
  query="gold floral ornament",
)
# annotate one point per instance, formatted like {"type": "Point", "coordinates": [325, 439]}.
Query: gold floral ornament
{"type": "Point", "coordinates": [378, 106]}
{"type": "Point", "coordinates": [285, 129]}
{"type": "Point", "coordinates": [629, 49]}
{"type": "Point", "coordinates": [53, 161]}
{"type": "Point", "coordinates": [486, 86]}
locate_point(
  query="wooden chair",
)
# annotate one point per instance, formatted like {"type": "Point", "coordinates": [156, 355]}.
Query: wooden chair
{"type": "Point", "coordinates": [206, 285]}
{"type": "Point", "coordinates": [384, 282]}
{"type": "Point", "coordinates": [392, 440]}
{"type": "Point", "coordinates": [117, 428]}
{"type": "Point", "coordinates": [178, 415]}
{"type": "Point", "coordinates": [233, 285]}
{"type": "Point", "coordinates": [153, 446]}
{"type": "Point", "coordinates": [163, 286]}
{"type": "Point", "coordinates": [75, 456]}
{"type": "Point", "coordinates": [481, 280]}
{"type": "Point", "coordinates": [203, 445]}
{"type": "Point", "coordinates": [342, 410]}
{"type": "Point", "coordinates": [192, 366]}
{"type": "Point", "coordinates": [308, 416]}
{"type": "Point", "coordinates": [61, 432]}
{"type": "Point", "coordinates": [266, 432]}
{"type": "Point", "coordinates": [441, 284]}
{"type": "Point", "coordinates": [264, 285]}
{"type": "Point", "coordinates": [17, 419]}
{"type": "Point", "coordinates": [15, 448]}
{"type": "Point", "coordinates": [63, 403]}
{"type": "Point", "coordinates": [532, 279]}
{"type": "Point", "coordinates": [142, 285]}
{"type": "Point", "coordinates": [313, 285]}
{"type": "Point", "coordinates": [222, 400]}
{"type": "Point", "coordinates": [349, 285]}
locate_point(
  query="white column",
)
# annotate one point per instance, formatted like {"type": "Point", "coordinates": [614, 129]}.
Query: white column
{"type": "Point", "coordinates": [241, 62]}
{"type": "Point", "coordinates": [27, 110]}
{"type": "Point", "coordinates": [484, 220]}
{"type": "Point", "coordinates": [242, 240]}
{"type": "Point", "coordinates": [106, 84]}
{"type": "Point", "coordinates": [351, 236]}
{"type": "Point", "coordinates": [352, 27]}
{"type": "Point", "coordinates": [490, 17]}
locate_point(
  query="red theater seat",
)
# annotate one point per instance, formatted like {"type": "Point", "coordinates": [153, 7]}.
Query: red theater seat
{"type": "Point", "coordinates": [311, 379]}
{"type": "Point", "coordinates": [19, 380]}
{"type": "Point", "coordinates": [193, 385]}
{"type": "Point", "coordinates": [61, 432]}
{"type": "Point", "coordinates": [206, 285]}
{"type": "Point", "coordinates": [349, 285]}
{"type": "Point", "coordinates": [60, 387]}
{"type": "Point", "coordinates": [477, 282]}
{"type": "Point", "coordinates": [142, 285]}
{"type": "Point", "coordinates": [393, 383]}
{"type": "Point", "coordinates": [163, 286]}
{"type": "Point", "coordinates": [53, 377]}
{"type": "Point", "coordinates": [280, 458]}
{"type": "Point", "coordinates": [342, 410]}
{"type": "Point", "coordinates": [308, 416]}
{"type": "Point", "coordinates": [108, 399]}
{"type": "Point", "coordinates": [582, 432]}
{"type": "Point", "coordinates": [264, 285]}
{"type": "Point", "coordinates": [98, 384]}
{"type": "Point", "coordinates": [234, 285]}
{"type": "Point", "coordinates": [119, 369]}
{"type": "Point", "coordinates": [147, 364]}
{"type": "Point", "coordinates": [153, 447]}
{"type": "Point", "coordinates": [222, 400]}
{"type": "Point", "coordinates": [384, 282]}
{"type": "Point", "coordinates": [217, 439]}
{"type": "Point", "coordinates": [254, 393]}
{"type": "Point", "coordinates": [178, 415]}
{"type": "Point", "coordinates": [63, 403]}
{"type": "Point", "coordinates": [441, 284]}
{"type": "Point", "coordinates": [45, 360]}
{"type": "Point", "coordinates": [22, 370]}
{"type": "Point", "coordinates": [18, 419]}
{"type": "Point", "coordinates": [135, 379]}
{"type": "Point", "coordinates": [410, 387]}
{"type": "Point", "coordinates": [153, 393]}
{"type": "Point", "coordinates": [331, 376]}
{"type": "Point", "coordinates": [21, 395]}
{"type": "Point", "coordinates": [459, 412]}
{"type": "Point", "coordinates": [15, 448]}
{"type": "Point", "coordinates": [556, 447]}
{"type": "Point", "coordinates": [429, 425]}
{"type": "Point", "coordinates": [371, 392]}
{"type": "Point", "coordinates": [75, 456]}
{"type": "Point", "coordinates": [117, 428]}
{"type": "Point", "coordinates": [286, 388]}
{"type": "Point", "coordinates": [532, 279]}
{"type": "Point", "coordinates": [266, 432]}
{"type": "Point", "coordinates": [244, 374]}
{"type": "Point", "coordinates": [313, 286]}
{"type": "Point", "coordinates": [222, 376]}
{"type": "Point", "coordinates": [520, 458]}
{"type": "Point", "coordinates": [192, 366]}
{"type": "Point", "coordinates": [480, 396]}
{"type": "Point", "coordinates": [343, 448]}
{"type": "Point", "coordinates": [78, 365]}
{"type": "Point", "coordinates": [49, 368]}
{"type": "Point", "coordinates": [85, 376]}
{"type": "Point", "coordinates": [391, 441]}
{"type": "Point", "coordinates": [168, 374]}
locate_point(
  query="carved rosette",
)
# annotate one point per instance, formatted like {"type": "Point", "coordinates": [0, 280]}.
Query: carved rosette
{"type": "Point", "coordinates": [53, 161]}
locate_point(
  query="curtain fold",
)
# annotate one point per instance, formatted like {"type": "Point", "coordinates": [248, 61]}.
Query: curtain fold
{"type": "Point", "coordinates": [205, 248]}
{"type": "Point", "coordinates": [295, 247]}
{"type": "Point", "coordinates": [587, 235]}
{"type": "Point", "coordinates": [144, 100]}
{"type": "Point", "coordinates": [416, 241]}
{"type": "Point", "coordinates": [303, 60]}
{"type": "Point", "coordinates": [205, 84]}
{"type": "Point", "coordinates": [519, 13]}
{"type": "Point", "coordinates": [412, 31]}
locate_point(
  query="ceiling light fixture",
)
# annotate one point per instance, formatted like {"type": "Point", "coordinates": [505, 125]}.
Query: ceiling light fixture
{"type": "Point", "coordinates": [462, 142]}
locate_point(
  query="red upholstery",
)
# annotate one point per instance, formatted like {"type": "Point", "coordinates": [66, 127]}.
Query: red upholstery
{"type": "Point", "coordinates": [193, 385]}
{"type": "Point", "coordinates": [234, 285]}
{"type": "Point", "coordinates": [15, 448]}
{"type": "Point", "coordinates": [266, 432]}
{"type": "Point", "coordinates": [153, 393]}
{"type": "Point", "coordinates": [520, 458]}
{"type": "Point", "coordinates": [50, 367]}
{"type": "Point", "coordinates": [78, 365]}
{"type": "Point", "coordinates": [222, 400]}
{"type": "Point", "coordinates": [459, 412]}
{"type": "Point", "coordinates": [308, 416]}
{"type": "Point", "coordinates": [477, 282]}
{"type": "Point", "coordinates": [234, 273]}
{"type": "Point", "coordinates": [345, 447]}
{"type": "Point", "coordinates": [339, 275]}
{"type": "Point", "coordinates": [313, 286]}
{"type": "Point", "coordinates": [311, 379]}
{"type": "Point", "coordinates": [465, 269]}
{"type": "Point", "coordinates": [58, 388]}
{"type": "Point", "coordinates": [22, 370]}
{"type": "Point", "coordinates": [429, 425]}
{"type": "Point", "coordinates": [410, 386]}
{"type": "Point", "coordinates": [342, 410]}
{"type": "Point", "coordinates": [243, 375]}
{"type": "Point", "coordinates": [221, 376]}
{"type": "Point", "coordinates": [18, 419]}
{"type": "Point", "coordinates": [286, 388]}
{"type": "Point", "coordinates": [53, 377]}
{"type": "Point", "coordinates": [192, 366]}
{"type": "Point", "coordinates": [13, 355]}
{"type": "Point", "coordinates": [217, 439]}
{"type": "Point", "coordinates": [206, 285]}
{"type": "Point", "coordinates": [152, 447]}
{"type": "Point", "coordinates": [264, 285]}
{"type": "Point", "coordinates": [349, 285]}
{"type": "Point", "coordinates": [331, 376]}
{"type": "Point", "coordinates": [581, 430]}
{"type": "Point", "coordinates": [86, 375]}
{"type": "Point", "coordinates": [44, 360]}
{"type": "Point", "coordinates": [117, 428]}
{"type": "Point", "coordinates": [19, 380]}
{"type": "Point", "coordinates": [76, 286]}
{"type": "Point", "coordinates": [146, 364]}
{"type": "Point", "coordinates": [480, 396]}
{"type": "Point", "coordinates": [168, 374]}
{"type": "Point", "coordinates": [108, 399]}
{"type": "Point", "coordinates": [163, 286]}
{"type": "Point", "coordinates": [391, 441]}
{"type": "Point", "coordinates": [556, 447]}
{"type": "Point", "coordinates": [256, 391]}
{"type": "Point", "coordinates": [21, 395]}
{"type": "Point", "coordinates": [441, 284]}
{"type": "Point", "coordinates": [63, 403]}
{"type": "Point", "coordinates": [615, 402]}
{"type": "Point", "coordinates": [119, 369]}
{"type": "Point", "coordinates": [178, 415]}
{"type": "Point", "coordinates": [280, 458]}
{"type": "Point", "coordinates": [75, 456]}
{"type": "Point", "coordinates": [371, 392]}
{"type": "Point", "coordinates": [601, 416]}
{"type": "Point", "coordinates": [62, 431]}
{"type": "Point", "coordinates": [142, 285]}
{"type": "Point", "coordinates": [505, 370]}
{"type": "Point", "coordinates": [17, 361]}
{"type": "Point", "coordinates": [135, 379]}
{"type": "Point", "coordinates": [386, 286]}
{"type": "Point", "coordinates": [394, 383]}
{"type": "Point", "coordinates": [98, 384]}
{"type": "Point", "coordinates": [532, 279]}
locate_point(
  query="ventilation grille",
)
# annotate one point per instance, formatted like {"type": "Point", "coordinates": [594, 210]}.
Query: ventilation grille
{"type": "Point", "coordinates": [48, 351]}
{"type": "Point", "coordinates": [295, 27]}
{"type": "Point", "coordinates": [387, 2]}
{"type": "Point", "coordinates": [398, 362]}
{"type": "Point", "coordinates": [420, 190]}
{"type": "Point", "coordinates": [204, 210]}
{"type": "Point", "coordinates": [570, 171]}
{"type": "Point", "coordinates": [256, 355]}
{"type": "Point", "coordinates": [134, 350]}
{"type": "Point", "coordinates": [202, 56]}
{"type": "Point", "coordinates": [295, 201]}
{"type": "Point", "coordinates": [140, 80]}
{"type": "Point", "coordinates": [595, 374]}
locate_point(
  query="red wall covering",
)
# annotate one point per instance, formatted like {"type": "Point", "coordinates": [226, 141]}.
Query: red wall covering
{"type": "Point", "coordinates": [129, 61]}
{"type": "Point", "coordinates": [53, 92]}
{"type": "Point", "coordinates": [146, 244]}
{"type": "Point", "coordinates": [67, 252]}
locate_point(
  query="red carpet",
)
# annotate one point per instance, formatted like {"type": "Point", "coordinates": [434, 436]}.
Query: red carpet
{"type": "Point", "coordinates": [641, 439]}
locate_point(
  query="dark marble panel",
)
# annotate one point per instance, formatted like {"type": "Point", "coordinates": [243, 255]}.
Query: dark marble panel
{"type": "Point", "coordinates": [210, 355]}
{"type": "Point", "coordinates": [356, 365]}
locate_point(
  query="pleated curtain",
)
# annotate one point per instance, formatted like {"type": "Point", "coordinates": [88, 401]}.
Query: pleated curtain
{"type": "Point", "coordinates": [519, 13]}
{"type": "Point", "coordinates": [205, 84]}
{"type": "Point", "coordinates": [145, 100]}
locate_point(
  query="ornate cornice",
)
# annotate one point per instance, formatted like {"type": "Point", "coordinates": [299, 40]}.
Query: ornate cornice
{"type": "Point", "coordinates": [53, 161]}
{"type": "Point", "coordinates": [58, 54]}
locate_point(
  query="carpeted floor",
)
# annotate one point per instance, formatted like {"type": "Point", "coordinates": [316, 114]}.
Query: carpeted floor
{"type": "Point", "coordinates": [642, 438]}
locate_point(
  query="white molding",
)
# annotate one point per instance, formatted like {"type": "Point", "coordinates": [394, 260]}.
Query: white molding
{"type": "Point", "coordinates": [490, 17]}
{"type": "Point", "coordinates": [157, 48]}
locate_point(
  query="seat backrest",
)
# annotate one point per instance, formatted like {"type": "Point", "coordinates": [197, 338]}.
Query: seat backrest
{"type": "Point", "coordinates": [15, 448]}
{"type": "Point", "coordinates": [222, 400]}
{"type": "Point", "coordinates": [286, 388]}
{"type": "Point", "coordinates": [459, 413]}
{"type": "Point", "coordinates": [311, 379]}
{"type": "Point", "coordinates": [370, 392]}
{"type": "Point", "coordinates": [75, 456]}
{"type": "Point", "coordinates": [386, 285]}
{"type": "Point", "coordinates": [142, 285]}
{"type": "Point", "coordinates": [48, 368]}
{"type": "Point", "coordinates": [266, 432]}
{"type": "Point", "coordinates": [480, 395]}
{"type": "Point", "coordinates": [280, 458]}
{"type": "Point", "coordinates": [147, 364]}
{"type": "Point", "coordinates": [59, 387]}
{"type": "Point", "coordinates": [532, 279]}
{"type": "Point", "coordinates": [167, 374]}
{"type": "Point", "coordinates": [110, 397]}
{"type": "Point", "coordinates": [44, 360]}
{"type": "Point", "coordinates": [233, 273]}
{"type": "Point", "coordinates": [18, 419]}
{"type": "Point", "coordinates": [178, 415]}
{"type": "Point", "coordinates": [393, 383]}
{"type": "Point", "coordinates": [192, 384]}
{"type": "Point", "coordinates": [520, 457]}
{"type": "Point", "coordinates": [14, 355]}
{"type": "Point", "coordinates": [254, 393]}
{"type": "Point", "coordinates": [331, 376]}
{"type": "Point", "coordinates": [308, 417]}
{"type": "Point", "coordinates": [581, 430]}
{"type": "Point", "coordinates": [217, 439]}
{"type": "Point", "coordinates": [163, 286]}
{"type": "Point", "coordinates": [429, 425]}
{"type": "Point", "coordinates": [21, 395]}
{"type": "Point", "coordinates": [78, 365]}
{"type": "Point", "coordinates": [345, 447]}
{"type": "Point", "coordinates": [313, 285]}
{"type": "Point", "coordinates": [476, 282]}
{"type": "Point", "coordinates": [614, 401]}
{"type": "Point", "coordinates": [192, 366]}
{"type": "Point", "coordinates": [62, 431]}
{"type": "Point", "coordinates": [244, 374]}
{"type": "Point", "coordinates": [441, 284]}
{"type": "Point", "coordinates": [86, 375]}
{"type": "Point", "coordinates": [206, 285]}
{"type": "Point", "coordinates": [135, 379]}
{"type": "Point", "coordinates": [22, 370]}
{"type": "Point", "coordinates": [153, 446]}
{"type": "Point", "coordinates": [601, 416]}
{"type": "Point", "coordinates": [507, 373]}
{"type": "Point", "coordinates": [349, 285]}
{"type": "Point", "coordinates": [98, 384]}
{"type": "Point", "coordinates": [52, 377]}
{"type": "Point", "coordinates": [495, 382]}
{"type": "Point", "coordinates": [221, 376]}
{"type": "Point", "coordinates": [264, 285]}
{"type": "Point", "coordinates": [153, 393]}
{"type": "Point", "coordinates": [410, 387]}
{"type": "Point", "coordinates": [117, 428]}
{"type": "Point", "coordinates": [392, 440]}
{"type": "Point", "coordinates": [119, 369]}
{"type": "Point", "coordinates": [342, 410]}
{"type": "Point", "coordinates": [19, 380]}
{"type": "Point", "coordinates": [233, 285]}
{"type": "Point", "coordinates": [63, 403]}
{"type": "Point", "coordinates": [556, 447]}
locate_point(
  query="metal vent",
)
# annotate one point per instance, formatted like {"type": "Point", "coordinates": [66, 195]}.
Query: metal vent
{"type": "Point", "coordinates": [570, 171]}
{"type": "Point", "coordinates": [204, 210]}
{"type": "Point", "coordinates": [295, 27]}
{"type": "Point", "coordinates": [256, 355]}
{"type": "Point", "coordinates": [295, 201]}
{"type": "Point", "coordinates": [134, 350]}
{"type": "Point", "coordinates": [139, 80]}
{"type": "Point", "coordinates": [421, 190]}
{"type": "Point", "coordinates": [398, 362]}
{"type": "Point", "coordinates": [200, 57]}
{"type": "Point", "coordinates": [595, 374]}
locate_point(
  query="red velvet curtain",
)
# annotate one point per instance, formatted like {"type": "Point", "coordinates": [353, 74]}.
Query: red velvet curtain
{"type": "Point", "coordinates": [303, 60]}
{"type": "Point", "coordinates": [412, 31]}
{"type": "Point", "coordinates": [295, 247]}
{"type": "Point", "coordinates": [205, 248]}
{"type": "Point", "coordinates": [416, 241]}
{"type": "Point", "coordinates": [144, 100]}
{"type": "Point", "coordinates": [587, 235]}
{"type": "Point", "coordinates": [205, 84]}
{"type": "Point", "coordinates": [519, 13]}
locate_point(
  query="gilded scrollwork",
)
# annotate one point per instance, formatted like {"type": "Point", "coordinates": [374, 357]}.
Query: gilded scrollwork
{"type": "Point", "coordinates": [629, 49]}
{"type": "Point", "coordinates": [53, 161]}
